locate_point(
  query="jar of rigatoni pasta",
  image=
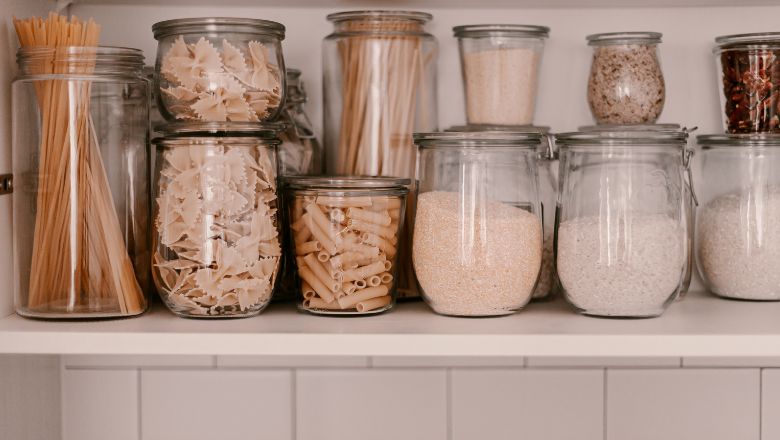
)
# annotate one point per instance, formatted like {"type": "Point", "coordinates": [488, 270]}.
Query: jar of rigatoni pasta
{"type": "Point", "coordinates": [344, 234]}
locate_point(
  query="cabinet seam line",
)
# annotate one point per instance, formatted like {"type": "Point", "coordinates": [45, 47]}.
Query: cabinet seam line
{"type": "Point", "coordinates": [605, 393]}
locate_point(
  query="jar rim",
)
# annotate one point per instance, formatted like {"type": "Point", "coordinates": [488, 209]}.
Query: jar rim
{"type": "Point", "coordinates": [501, 30]}
{"type": "Point", "coordinates": [335, 183]}
{"type": "Point", "coordinates": [738, 140]}
{"type": "Point", "coordinates": [625, 135]}
{"type": "Point", "coordinates": [481, 139]}
{"type": "Point", "coordinates": [747, 41]}
{"type": "Point", "coordinates": [610, 38]}
{"type": "Point", "coordinates": [265, 130]}
{"type": "Point", "coordinates": [231, 140]}
{"type": "Point", "coordinates": [541, 129]}
{"type": "Point", "coordinates": [80, 60]}
{"type": "Point", "coordinates": [421, 17]}
{"type": "Point", "coordinates": [178, 26]}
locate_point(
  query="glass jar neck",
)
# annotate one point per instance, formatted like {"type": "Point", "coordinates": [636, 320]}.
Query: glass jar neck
{"type": "Point", "coordinates": [77, 60]}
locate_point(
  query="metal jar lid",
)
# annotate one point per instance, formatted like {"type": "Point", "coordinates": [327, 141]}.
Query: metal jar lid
{"type": "Point", "coordinates": [753, 140]}
{"type": "Point", "coordinates": [481, 139]}
{"type": "Point", "coordinates": [501, 30]}
{"type": "Point", "coordinates": [611, 38]}
{"type": "Point", "coordinates": [757, 40]}
{"type": "Point", "coordinates": [206, 25]}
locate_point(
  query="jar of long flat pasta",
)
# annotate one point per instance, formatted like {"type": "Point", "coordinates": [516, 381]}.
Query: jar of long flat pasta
{"type": "Point", "coordinates": [216, 244]}
{"type": "Point", "coordinates": [345, 233]}
{"type": "Point", "coordinates": [81, 203]}
{"type": "Point", "coordinates": [379, 87]}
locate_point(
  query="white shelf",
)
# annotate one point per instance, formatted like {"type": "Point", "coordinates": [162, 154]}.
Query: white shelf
{"type": "Point", "coordinates": [390, 4]}
{"type": "Point", "coordinates": [698, 326]}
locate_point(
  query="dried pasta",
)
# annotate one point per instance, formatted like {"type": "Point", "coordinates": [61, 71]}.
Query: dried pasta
{"type": "Point", "coordinates": [346, 261]}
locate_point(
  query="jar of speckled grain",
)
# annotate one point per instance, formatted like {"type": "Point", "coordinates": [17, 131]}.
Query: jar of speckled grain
{"type": "Point", "coordinates": [626, 84]}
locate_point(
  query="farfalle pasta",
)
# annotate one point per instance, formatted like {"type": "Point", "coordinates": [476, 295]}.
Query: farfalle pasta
{"type": "Point", "coordinates": [217, 246]}
{"type": "Point", "coordinates": [222, 75]}
{"type": "Point", "coordinates": [345, 242]}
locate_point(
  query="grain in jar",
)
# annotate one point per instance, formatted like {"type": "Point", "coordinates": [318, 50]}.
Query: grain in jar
{"type": "Point", "coordinates": [626, 84]}
{"type": "Point", "coordinates": [477, 248]}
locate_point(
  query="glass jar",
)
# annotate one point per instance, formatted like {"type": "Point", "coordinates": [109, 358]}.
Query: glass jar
{"type": "Point", "coordinates": [500, 66]}
{"type": "Point", "coordinates": [738, 233]}
{"type": "Point", "coordinates": [81, 204]}
{"type": "Point", "coordinates": [548, 196]}
{"type": "Point", "coordinates": [345, 235]}
{"type": "Point", "coordinates": [749, 69]}
{"type": "Point", "coordinates": [300, 152]}
{"type": "Point", "coordinates": [621, 235]}
{"type": "Point", "coordinates": [372, 108]}
{"type": "Point", "coordinates": [689, 198]}
{"type": "Point", "coordinates": [626, 84]}
{"type": "Point", "coordinates": [220, 69]}
{"type": "Point", "coordinates": [216, 243]}
{"type": "Point", "coordinates": [478, 238]}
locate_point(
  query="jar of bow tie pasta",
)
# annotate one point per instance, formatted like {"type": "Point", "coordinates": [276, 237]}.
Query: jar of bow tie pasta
{"type": "Point", "coordinates": [345, 235]}
{"type": "Point", "coordinates": [216, 242]}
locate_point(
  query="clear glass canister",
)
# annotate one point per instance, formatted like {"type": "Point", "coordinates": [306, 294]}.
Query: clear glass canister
{"type": "Point", "coordinates": [345, 236]}
{"type": "Point", "coordinates": [749, 73]}
{"type": "Point", "coordinates": [216, 244]}
{"type": "Point", "coordinates": [220, 69]}
{"type": "Point", "coordinates": [300, 152]}
{"type": "Point", "coordinates": [621, 236]}
{"type": "Point", "coordinates": [379, 87]}
{"type": "Point", "coordinates": [81, 203]}
{"type": "Point", "coordinates": [500, 65]}
{"type": "Point", "coordinates": [548, 195]}
{"type": "Point", "coordinates": [626, 84]}
{"type": "Point", "coordinates": [738, 232]}
{"type": "Point", "coordinates": [478, 239]}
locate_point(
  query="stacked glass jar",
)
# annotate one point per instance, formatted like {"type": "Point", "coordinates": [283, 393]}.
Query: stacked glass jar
{"type": "Point", "coordinates": [625, 213]}
{"type": "Point", "coordinates": [220, 83]}
{"type": "Point", "coordinates": [738, 234]}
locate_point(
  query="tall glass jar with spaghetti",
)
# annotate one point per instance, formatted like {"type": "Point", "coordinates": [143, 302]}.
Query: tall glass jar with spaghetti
{"type": "Point", "coordinates": [217, 248]}
{"type": "Point", "coordinates": [81, 208]}
{"type": "Point", "coordinates": [345, 234]}
{"type": "Point", "coordinates": [379, 87]}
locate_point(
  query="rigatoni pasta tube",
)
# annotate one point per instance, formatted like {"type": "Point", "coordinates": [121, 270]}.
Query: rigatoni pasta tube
{"type": "Point", "coordinates": [373, 281]}
{"type": "Point", "coordinates": [302, 236]}
{"type": "Point", "coordinates": [308, 248]}
{"type": "Point", "coordinates": [375, 240]}
{"type": "Point", "coordinates": [386, 277]}
{"type": "Point", "coordinates": [321, 273]}
{"type": "Point", "coordinates": [349, 260]}
{"type": "Point", "coordinates": [319, 303]}
{"type": "Point", "coordinates": [336, 215]}
{"type": "Point", "coordinates": [316, 284]}
{"type": "Point", "coordinates": [363, 272]}
{"type": "Point", "coordinates": [364, 226]}
{"type": "Point", "coordinates": [368, 251]}
{"type": "Point", "coordinates": [319, 218]}
{"type": "Point", "coordinates": [381, 218]}
{"type": "Point", "coordinates": [373, 304]}
{"type": "Point", "coordinates": [349, 301]}
{"type": "Point", "coordinates": [327, 243]}
{"type": "Point", "coordinates": [394, 214]}
{"type": "Point", "coordinates": [382, 203]}
{"type": "Point", "coordinates": [307, 290]}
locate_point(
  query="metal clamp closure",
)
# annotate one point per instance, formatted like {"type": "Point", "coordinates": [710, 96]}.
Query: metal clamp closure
{"type": "Point", "coordinates": [687, 154]}
{"type": "Point", "coordinates": [6, 184]}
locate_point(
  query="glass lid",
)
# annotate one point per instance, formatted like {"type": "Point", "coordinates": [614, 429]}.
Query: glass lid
{"type": "Point", "coordinates": [193, 128]}
{"type": "Point", "coordinates": [624, 38]}
{"type": "Point", "coordinates": [500, 128]}
{"type": "Point", "coordinates": [632, 134]}
{"type": "Point", "coordinates": [761, 40]}
{"type": "Point", "coordinates": [484, 139]}
{"type": "Point", "coordinates": [345, 182]}
{"type": "Point", "coordinates": [738, 140]}
{"type": "Point", "coordinates": [501, 30]}
{"type": "Point", "coordinates": [166, 28]}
